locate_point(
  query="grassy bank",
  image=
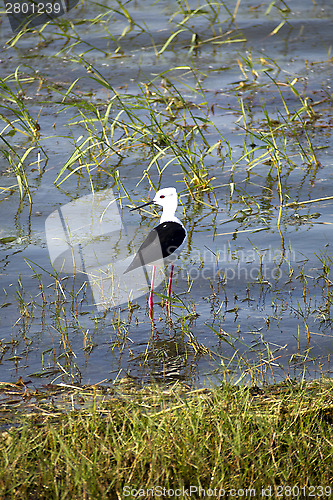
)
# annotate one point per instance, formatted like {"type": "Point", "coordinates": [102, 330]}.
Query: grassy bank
{"type": "Point", "coordinates": [107, 444]}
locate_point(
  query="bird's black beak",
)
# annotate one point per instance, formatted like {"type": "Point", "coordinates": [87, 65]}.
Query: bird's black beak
{"type": "Point", "coordinates": [141, 206]}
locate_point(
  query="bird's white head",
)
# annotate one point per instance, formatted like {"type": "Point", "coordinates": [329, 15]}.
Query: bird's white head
{"type": "Point", "coordinates": [168, 199]}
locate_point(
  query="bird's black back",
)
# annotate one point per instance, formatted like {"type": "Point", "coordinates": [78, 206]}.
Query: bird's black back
{"type": "Point", "coordinates": [161, 242]}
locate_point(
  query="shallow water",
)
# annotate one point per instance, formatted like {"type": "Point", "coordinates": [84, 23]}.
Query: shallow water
{"type": "Point", "coordinates": [227, 322]}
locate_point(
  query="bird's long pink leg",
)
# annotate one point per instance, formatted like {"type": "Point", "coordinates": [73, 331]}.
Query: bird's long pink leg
{"type": "Point", "coordinates": [151, 303]}
{"type": "Point", "coordinates": [168, 304]}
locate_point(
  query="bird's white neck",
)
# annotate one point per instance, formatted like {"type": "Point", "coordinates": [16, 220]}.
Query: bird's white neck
{"type": "Point", "coordinates": [168, 214]}
{"type": "Point", "coordinates": [170, 218]}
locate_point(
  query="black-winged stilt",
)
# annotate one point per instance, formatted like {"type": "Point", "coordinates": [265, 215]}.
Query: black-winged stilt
{"type": "Point", "coordinates": [167, 237]}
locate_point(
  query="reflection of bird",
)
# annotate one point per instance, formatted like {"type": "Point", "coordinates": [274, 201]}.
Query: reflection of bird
{"type": "Point", "coordinates": [162, 241]}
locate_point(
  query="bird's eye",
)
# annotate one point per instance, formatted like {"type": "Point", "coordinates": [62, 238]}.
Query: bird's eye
{"type": "Point", "coordinates": [162, 196]}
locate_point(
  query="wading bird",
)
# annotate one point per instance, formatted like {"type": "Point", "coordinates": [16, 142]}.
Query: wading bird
{"type": "Point", "coordinates": [167, 237]}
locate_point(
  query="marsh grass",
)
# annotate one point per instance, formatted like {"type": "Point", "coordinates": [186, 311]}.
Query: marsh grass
{"type": "Point", "coordinates": [168, 121]}
{"type": "Point", "coordinates": [170, 129]}
{"type": "Point", "coordinates": [92, 442]}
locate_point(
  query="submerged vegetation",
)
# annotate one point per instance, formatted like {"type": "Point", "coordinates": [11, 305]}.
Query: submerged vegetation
{"type": "Point", "coordinates": [243, 138]}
